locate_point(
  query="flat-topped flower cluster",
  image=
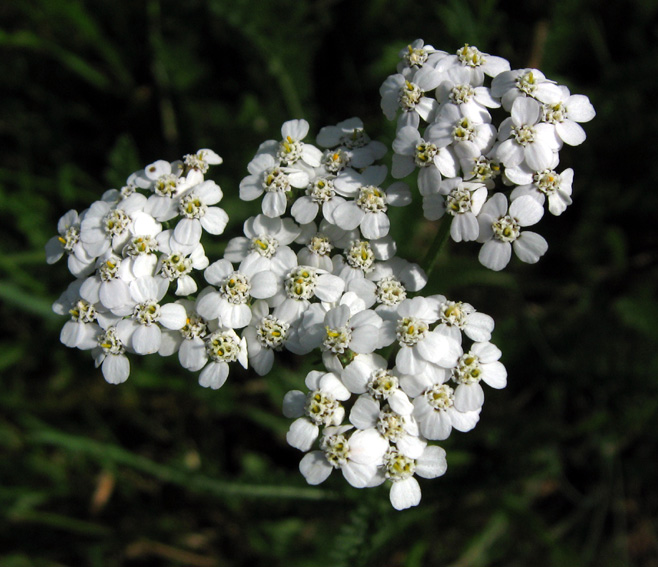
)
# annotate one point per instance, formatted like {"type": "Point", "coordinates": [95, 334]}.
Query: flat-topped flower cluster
{"type": "Point", "coordinates": [317, 269]}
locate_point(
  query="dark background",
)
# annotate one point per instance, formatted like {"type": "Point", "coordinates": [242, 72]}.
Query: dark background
{"type": "Point", "coordinates": [562, 468]}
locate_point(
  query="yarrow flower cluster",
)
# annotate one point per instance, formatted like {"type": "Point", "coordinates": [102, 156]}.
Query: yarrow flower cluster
{"type": "Point", "coordinates": [317, 269]}
{"type": "Point", "coordinates": [486, 129]}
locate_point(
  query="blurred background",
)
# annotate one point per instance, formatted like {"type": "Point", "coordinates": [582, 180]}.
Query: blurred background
{"type": "Point", "coordinates": [562, 468]}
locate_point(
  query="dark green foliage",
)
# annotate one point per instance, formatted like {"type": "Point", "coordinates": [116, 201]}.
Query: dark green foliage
{"type": "Point", "coordinates": [561, 469]}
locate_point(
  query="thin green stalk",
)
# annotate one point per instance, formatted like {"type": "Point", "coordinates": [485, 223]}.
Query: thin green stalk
{"type": "Point", "coordinates": [108, 452]}
{"type": "Point", "coordinates": [434, 251]}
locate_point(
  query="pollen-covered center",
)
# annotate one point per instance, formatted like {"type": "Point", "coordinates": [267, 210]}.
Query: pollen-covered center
{"type": "Point", "coordinates": [554, 113]}
{"type": "Point", "coordinates": [453, 313]}
{"type": "Point", "coordinates": [357, 138]}
{"type": "Point", "coordinates": [390, 291]}
{"type": "Point", "coordinates": [391, 424]}
{"type": "Point", "coordinates": [523, 134]}
{"type": "Point", "coordinates": [272, 332]}
{"type": "Point", "coordinates": [195, 327]}
{"type": "Point", "coordinates": [336, 449]}
{"type": "Point", "coordinates": [461, 94]}
{"type": "Point", "coordinates": [83, 312]}
{"type": "Point", "coordinates": [470, 56]}
{"type": "Point", "coordinates": [223, 346]}
{"type": "Point", "coordinates": [415, 56]}
{"type": "Point", "coordinates": [526, 83]}
{"type": "Point", "coordinates": [110, 343]}
{"type": "Point", "coordinates": [484, 168]}
{"type": "Point", "coordinates": [109, 269]}
{"type": "Point", "coordinates": [175, 265]}
{"type": "Point", "coordinates": [440, 396]}
{"type": "Point", "coordinates": [321, 407]}
{"type": "Point", "coordinates": [320, 245]}
{"type": "Point", "coordinates": [381, 384]}
{"type": "Point", "coordinates": [115, 222]}
{"type": "Point", "coordinates": [410, 95]}
{"type": "Point", "coordinates": [372, 199]}
{"type": "Point", "coordinates": [276, 181]}
{"type": "Point", "coordinates": [410, 330]}
{"type": "Point", "coordinates": [290, 150]}
{"type": "Point", "coordinates": [468, 369]}
{"type": "Point", "coordinates": [197, 161]}
{"type": "Point", "coordinates": [424, 154]}
{"type": "Point", "coordinates": [166, 185]}
{"type": "Point", "coordinates": [398, 467]}
{"type": "Point", "coordinates": [337, 340]}
{"type": "Point", "coordinates": [459, 201]}
{"type": "Point", "coordinates": [361, 256]}
{"type": "Point", "coordinates": [506, 229]}
{"type": "Point", "coordinates": [265, 245]}
{"type": "Point", "coordinates": [146, 313]}
{"type": "Point", "coordinates": [235, 288]}
{"type": "Point", "coordinates": [335, 160]}
{"type": "Point", "coordinates": [464, 130]}
{"type": "Point", "coordinates": [192, 207]}
{"type": "Point", "coordinates": [321, 190]}
{"type": "Point", "coordinates": [70, 238]}
{"type": "Point", "coordinates": [141, 245]}
{"type": "Point", "coordinates": [547, 181]}
{"type": "Point", "coordinates": [300, 282]}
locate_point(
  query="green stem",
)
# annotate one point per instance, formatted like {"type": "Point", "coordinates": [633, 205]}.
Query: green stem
{"type": "Point", "coordinates": [432, 256]}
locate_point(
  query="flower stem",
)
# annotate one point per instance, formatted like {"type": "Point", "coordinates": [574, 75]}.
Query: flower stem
{"type": "Point", "coordinates": [432, 256]}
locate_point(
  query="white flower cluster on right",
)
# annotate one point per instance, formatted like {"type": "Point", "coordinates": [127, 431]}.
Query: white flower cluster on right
{"type": "Point", "coordinates": [317, 269]}
{"type": "Point", "coordinates": [462, 155]}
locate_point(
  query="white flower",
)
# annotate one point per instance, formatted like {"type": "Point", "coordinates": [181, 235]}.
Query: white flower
{"type": "Point", "coordinates": [566, 114]}
{"type": "Point", "coordinates": [434, 407]}
{"type": "Point", "coordinates": [419, 347]}
{"type": "Point", "coordinates": [341, 329]}
{"type": "Point", "coordinates": [68, 242]}
{"type": "Point", "coordinates": [479, 364]}
{"type": "Point", "coordinates": [476, 62]}
{"type": "Point", "coordinates": [142, 331]}
{"type": "Point", "coordinates": [109, 226]}
{"type": "Point", "coordinates": [291, 149]}
{"type": "Point", "coordinates": [394, 278]}
{"type": "Point", "coordinates": [266, 238]}
{"type": "Point", "coordinates": [369, 374]}
{"type": "Point", "coordinates": [397, 428]}
{"type": "Point", "coordinates": [470, 137]}
{"type": "Point", "coordinates": [548, 183]}
{"type": "Point", "coordinates": [222, 347]}
{"type": "Point", "coordinates": [274, 180]}
{"type": "Point", "coordinates": [524, 138]}
{"type": "Point", "coordinates": [521, 83]}
{"type": "Point", "coordinates": [188, 341]}
{"type": "Point", "coordinates": [399, 469]}
{"type": "Point", "coordinates": [463, 202]}
{"type": "Point", "coordinates": [267, 332]}
{"type": "Point", "coordinates": [177, 262]}
{"type": "Point", "coordinates": [110, 356]}
{"type": "Point", "coordinates": [417, 54]}
{"type": "Point", "coordinates": [398, 92]}
{"type": "Point", "coordinates": [198, 214]}
{"type": "Point", "coordinates": [368, 210]}
{"type": "Point", "coordinates": [500, 231]}
{"type": "Point", "coordinates": [411, 151]}
{"type": "Point", "coordinates": [461, 88]}
{"type": "Point", "coordinates": [230, 304]}
{"type": "Point", "coordinates": [456, 317]}
{"type": "Point", "coordinates": [319, 407]}
{"type": "Point", "coordinates": [352, 138]}
{"type": "Point", "coordinates": [202, 160]}
{"type": "Point", "coordinates": [357, 456]}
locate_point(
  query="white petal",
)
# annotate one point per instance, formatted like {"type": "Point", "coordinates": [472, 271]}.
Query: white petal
{"type": "Point", "coordinates": [530, 246]}
{"type": "Point", "coordinates": [405, 493]}
{"type": "Point", "coordinates": [302, 434]}
{"type": "Point", "coordinates": [315, 467]}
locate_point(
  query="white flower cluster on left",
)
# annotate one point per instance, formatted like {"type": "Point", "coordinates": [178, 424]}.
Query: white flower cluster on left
{"type": "Point", "coordinates": [125, 261]}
